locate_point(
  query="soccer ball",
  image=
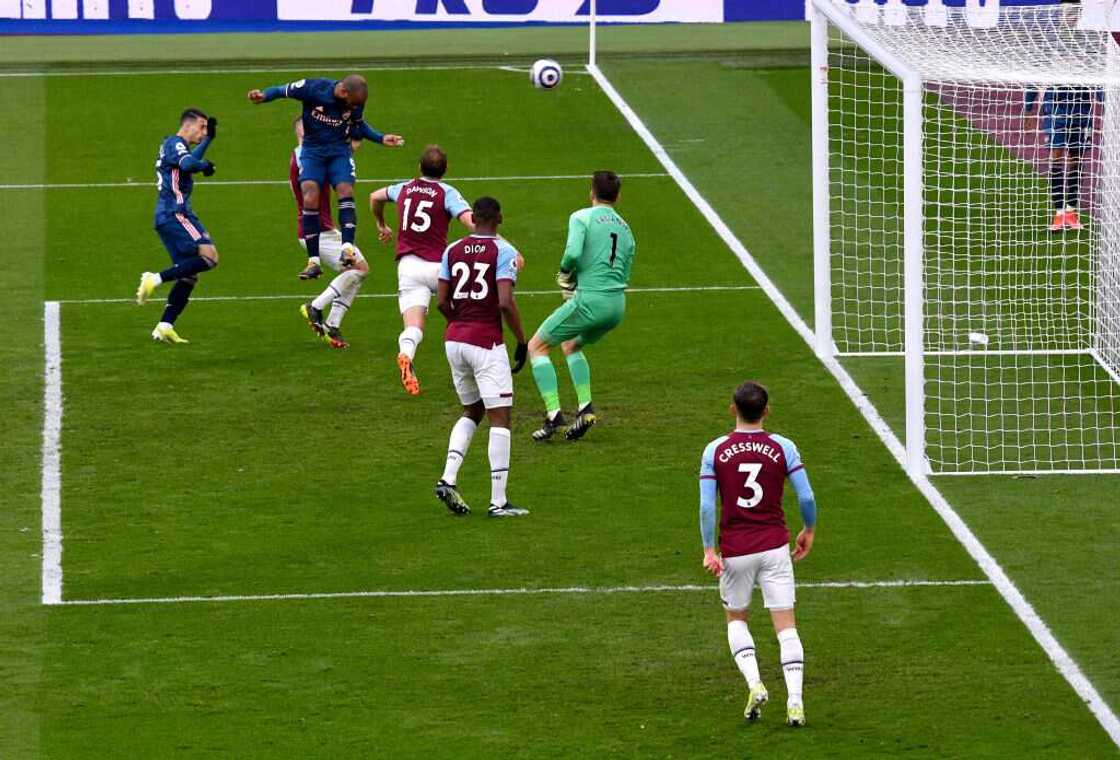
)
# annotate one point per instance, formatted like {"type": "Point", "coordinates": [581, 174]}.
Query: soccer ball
{"type": "Point", "coordinates": [546, 74]}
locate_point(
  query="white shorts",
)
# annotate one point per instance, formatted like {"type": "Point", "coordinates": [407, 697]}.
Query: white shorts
{"type": "Point", "coordinates": [481, 373]}
{"type": "Point", "coordinates": [771, 570]}
{"type": "Point", "coordinates": [417, 282]}
{"type": "Point", "coordinates": [330, 249]}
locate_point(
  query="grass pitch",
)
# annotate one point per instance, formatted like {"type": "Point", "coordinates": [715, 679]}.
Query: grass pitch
{"type": "Point", "coordinates": [257, 462]}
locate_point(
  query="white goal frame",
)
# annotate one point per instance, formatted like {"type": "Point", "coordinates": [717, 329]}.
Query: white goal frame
{"type": "Point", "coordinates": [850, 20]}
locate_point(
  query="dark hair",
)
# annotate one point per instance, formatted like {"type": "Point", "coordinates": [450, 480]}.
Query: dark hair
{"type": "Point", "coordinates": [606, 186]}
{"type": "Point", "coordinates": [191, 114]}
{"type": "Point", "coordinates": [433, 162]}
{"type": "Point", "coordinates": [751, 399]}
{"type": "Point", "coordinates": [486, 210]}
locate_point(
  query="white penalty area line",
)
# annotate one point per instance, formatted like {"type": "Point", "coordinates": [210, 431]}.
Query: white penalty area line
{"type": "Point", "coordinates": [286, 183]}
{"type": "Point", "coordinates": [568, 590]}
{"type": "Point", "coordinates": [1026, 613]}
{"type": "Point", "coordinates": [126, 72]}
{"type": "Point", "coordinates": [51, 492]}
{"type": "Point", "coordinates": [304, 296]}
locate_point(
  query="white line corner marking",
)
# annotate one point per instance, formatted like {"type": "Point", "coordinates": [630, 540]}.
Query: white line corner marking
{"type": "Point", "coordinates": [1007, 589]}
{"type": "Point", "coordinates": [51, 494]}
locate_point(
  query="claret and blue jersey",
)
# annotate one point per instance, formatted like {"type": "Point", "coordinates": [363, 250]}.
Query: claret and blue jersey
{"type": "Point", "coordinates": [747, 469]}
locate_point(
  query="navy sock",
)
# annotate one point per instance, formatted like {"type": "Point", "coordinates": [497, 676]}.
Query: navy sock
{"type": "Point", "coordinates": [347, 219]}
{"type": "Point", "coordinates": [1057, 186]}
{"type": "Point", "coordinates": [1073, 181]}
{"type": "Point", "coordinates": [189, 268]}
{"type": "Point", "coordinates": [311, 231]}
{"type": "Point", "coordinates": [177, 299]}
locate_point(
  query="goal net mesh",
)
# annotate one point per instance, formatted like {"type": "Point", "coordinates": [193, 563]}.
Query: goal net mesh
{"type": "Point", "coordinates": [1021, 325]}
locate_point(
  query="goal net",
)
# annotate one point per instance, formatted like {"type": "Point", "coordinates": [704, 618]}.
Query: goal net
{"type": "Point", "coordinates": [1014, 112]}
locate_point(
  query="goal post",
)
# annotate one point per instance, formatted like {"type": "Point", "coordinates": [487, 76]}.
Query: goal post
{"type": "Point", "coordinates": [945, 143]}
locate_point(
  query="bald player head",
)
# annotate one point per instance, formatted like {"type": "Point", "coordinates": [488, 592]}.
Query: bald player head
{"type": "Point", "coordinates": [353, 89]}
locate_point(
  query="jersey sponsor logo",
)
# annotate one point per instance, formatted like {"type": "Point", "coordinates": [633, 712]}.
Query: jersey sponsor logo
{"type": "Point", "coordinates": [318, 114]}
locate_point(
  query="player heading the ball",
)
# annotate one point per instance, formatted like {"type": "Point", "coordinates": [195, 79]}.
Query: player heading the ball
{"type": "Point", "coordinates": [333, 114]}
{"type": "Point", "coordinates": [747, 470]}
{"type": "Point", "coordinates": [594, 273]}
{"type": "Point", "coordinates": [476, 280]}
{"type": "Point", "coordinates": [181, 232]}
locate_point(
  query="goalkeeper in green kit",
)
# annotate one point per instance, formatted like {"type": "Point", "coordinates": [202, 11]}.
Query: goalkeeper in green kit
{"type": "Point", "coordinates": [594, 273]}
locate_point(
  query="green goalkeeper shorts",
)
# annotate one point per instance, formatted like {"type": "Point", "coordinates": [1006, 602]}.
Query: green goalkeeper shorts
{"type": "Point", "coordinates": [587, 316]}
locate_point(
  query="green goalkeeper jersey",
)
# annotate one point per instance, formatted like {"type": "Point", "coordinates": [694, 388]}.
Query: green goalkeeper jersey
{"type": "Point", "coordinates": [600, 250]}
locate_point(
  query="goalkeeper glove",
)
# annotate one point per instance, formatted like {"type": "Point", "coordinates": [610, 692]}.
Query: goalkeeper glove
{"type": "Point", "coordinates": [519, 355]}
{"type": "Point", "coordinates": [208, 169]}
{"type": "Point", "coordinates": [566, 281]}
{"type": "Point", "coordinates": [212, 127]}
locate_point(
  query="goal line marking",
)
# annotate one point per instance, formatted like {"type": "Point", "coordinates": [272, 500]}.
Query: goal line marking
{"type": "Point", "coordinates": [305, 296]}
{"type": "Point", "coordinates": [657, 588]}
{"type": "Point", "coordinates": [1026, 613]}
{"type": "Point", "coordinates": [371, 181]}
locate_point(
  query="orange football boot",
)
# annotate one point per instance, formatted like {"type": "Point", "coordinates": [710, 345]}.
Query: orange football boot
{"type": "Point", "coordinates": [409, 380]}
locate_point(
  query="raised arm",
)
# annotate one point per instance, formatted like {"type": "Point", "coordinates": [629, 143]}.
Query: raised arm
{"type": "Point", "coordinates": [364, 131]}
{"type": "Point", "coordinates": [193, 161]}
{"type": "Point", "coordinates": [268, 94]}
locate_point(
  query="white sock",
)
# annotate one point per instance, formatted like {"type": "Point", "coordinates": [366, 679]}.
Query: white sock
{"type": "Point", "coordinates": [409, 341]}
{"type": "Point", "coordinates": [457, 447]}
{"type": "Point", "coordinates": [159, 280]}
{"type": "Point", "coordinates": [499, 465]}
{"type": "Point", "coordinates": [314, 260]}
{"type": "Point", "coordinates": [793, 663]}
{"type": "Point", "coordinates": [742, 649]}
{"type": "Point", "coordinates": [326, 298]}
{"type": "Point", "coordinates": [347, 284]}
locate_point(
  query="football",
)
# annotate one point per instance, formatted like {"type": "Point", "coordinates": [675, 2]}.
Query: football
{"type": "Point", "coordinates": [546, 74]}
